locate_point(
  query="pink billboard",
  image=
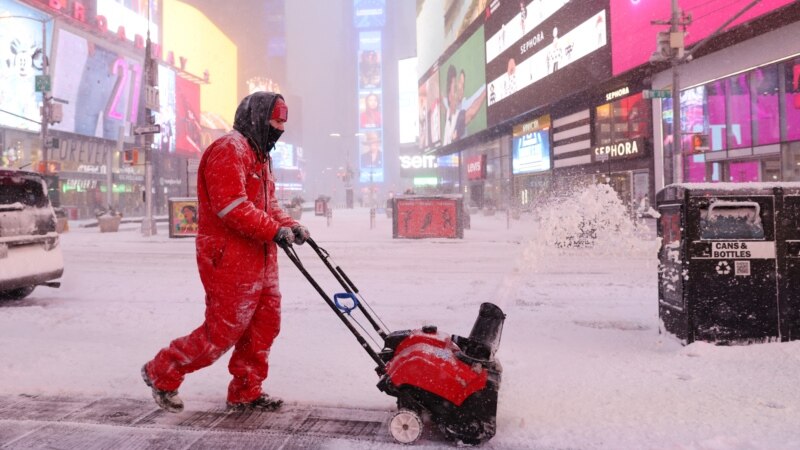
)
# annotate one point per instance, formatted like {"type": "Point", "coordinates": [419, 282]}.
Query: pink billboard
{"type": "Point", "coordinates": [187, 111]}
{"type": "Point", "coordinates": [633, 37]}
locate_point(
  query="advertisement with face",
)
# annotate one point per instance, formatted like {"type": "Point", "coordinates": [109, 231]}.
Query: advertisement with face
{"type": "Point", "coordinates": [371, 157]}
{"type": "Point", "coordinates": [634, 38]}
{"type": "Point", "coordinates": [430, 113]}
{"type": "Point", "coordinates": [462, 81]}
{"type": "Point", "coordinates": [188, 131]}
{"type": "Point", "coordinates": [20, 62]}
{"type": "Point", "coordinates": [440, 23]}
{"type": "Point", "coordinates": [183, 217]}
{"type": "Point", "coordinates": [101, 85]}
{"type": "Point", "coordinates": [166, 114]}
{"type": "Point", "coordinates": [369, 60]}
{"type": "Point", "coordinates": [525, 51]}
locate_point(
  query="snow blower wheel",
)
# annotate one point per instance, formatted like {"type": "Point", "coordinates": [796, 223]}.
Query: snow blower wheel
{"type": "Point", "coordinates": [405, 426]}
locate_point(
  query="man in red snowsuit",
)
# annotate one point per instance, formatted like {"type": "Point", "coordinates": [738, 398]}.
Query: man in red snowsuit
{"type": "Point", "coordinates": [240, 223]}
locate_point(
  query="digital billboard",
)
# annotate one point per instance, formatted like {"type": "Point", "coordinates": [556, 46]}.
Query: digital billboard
{"type": "Point", "coordinates": [101, 86]}
{"type": "Point", "coordinates": [369, 13]}
{"type": "Point", "coordinates": [633, 37]}
{"type": "Point", "coordinates": [188, 130]}
{"type": "Point", "coordinates": [530, 146]}
{"type": "Point", "coordinates": [166, 115]}
{"type": "Point", "coordinates": [283, 156]}
{"type": "Point", "coordinates": [440, 23]}
{"type": "Point", "coordinates": [462, 86]}
{"type": "Point", "coordinates": [538, 51]}
{"type": "Point", "coordinates": [133, 16]}
{"type": "Point", "coordinates": [430, 126]}
{"type": "Point", "coordinates": [20, 63]}
{"type": "Point", "coordinates": [407, 101]}
{"type": "Point", "coordinates": [370, 121]}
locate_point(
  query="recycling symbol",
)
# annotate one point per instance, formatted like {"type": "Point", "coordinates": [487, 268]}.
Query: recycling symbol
{"type": "Point", "coordinates": [723, 268]}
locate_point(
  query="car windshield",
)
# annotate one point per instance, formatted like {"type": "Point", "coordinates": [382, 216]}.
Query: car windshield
{"type": "Point", "coordinates": [25, 190]}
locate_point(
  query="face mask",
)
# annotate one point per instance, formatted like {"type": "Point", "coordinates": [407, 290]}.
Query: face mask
{"type": "Point", "coordinates": [272, 137]}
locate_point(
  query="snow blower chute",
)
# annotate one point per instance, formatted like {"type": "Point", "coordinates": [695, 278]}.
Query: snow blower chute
{"type": "Point", "coordinates": [452, 378]}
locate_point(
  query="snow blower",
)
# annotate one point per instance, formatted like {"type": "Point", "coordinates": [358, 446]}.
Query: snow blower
{"type": "Point", "coordinates": [452, 379]}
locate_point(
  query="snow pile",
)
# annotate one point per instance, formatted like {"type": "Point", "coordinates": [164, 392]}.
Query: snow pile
{"type": "Point", "coordinates": [592, 218]}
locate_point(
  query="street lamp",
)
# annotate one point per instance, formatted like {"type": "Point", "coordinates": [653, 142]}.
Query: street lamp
{"type": "Point", "coordinates": [347, 172]}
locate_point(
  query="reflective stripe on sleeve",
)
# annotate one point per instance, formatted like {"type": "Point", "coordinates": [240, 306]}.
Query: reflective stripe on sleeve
{"type": "Point", "coordinates": [230, 206]}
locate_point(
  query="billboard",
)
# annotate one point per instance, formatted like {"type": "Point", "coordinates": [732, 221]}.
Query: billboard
{"type": "Point", "coordinates": [369, 13]}
{"type": "Point", "coordinates": [409, 107]}
{"type": "Point", "coordinates": [530, 146]}
{"type": "Point", "coordinates": [166, 116]}
{"type": "Point", "coordinates": [101, 85]}
{"type": "Point", "coordinates": [430, 125]}
{"type": "Point", "coordinates": [634, 37]}
{"type": "Point", "coordinates": [370, 121]}
{"type": "Point", "coordinates": [20, 63]}
{"type": "Point", "coordinates": [538, 52]}
{"type": "Point", "coordinates": [133, 17]}
{"type": "Point", "coordinates": [440, 23]}
{"type": "Point", "coordinates": [462, 86]}
{"type": "Point", "coordinates": [283, 156]}
{"type": "Point", "coordinates": [188, 130]}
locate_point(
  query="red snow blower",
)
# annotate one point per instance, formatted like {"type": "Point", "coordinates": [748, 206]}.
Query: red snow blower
{"type": "Point", "coordinates": [453, 379]}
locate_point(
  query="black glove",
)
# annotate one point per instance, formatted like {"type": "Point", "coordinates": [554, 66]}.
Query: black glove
{"type": "Point", "coordinates": [300, 234]}
{"type": "Point", "coordinates": [284, 237]}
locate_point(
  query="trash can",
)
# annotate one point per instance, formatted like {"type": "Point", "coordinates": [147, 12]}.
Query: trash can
{"type": "Point", "coordinates": [321, 206]}
{"type": "Point", "coordinates": [729, 262]}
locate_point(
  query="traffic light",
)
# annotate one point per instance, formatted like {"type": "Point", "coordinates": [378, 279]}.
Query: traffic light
{"type": "Point", "coordinates": [699, 143]}
{"type": "Point", "coordinates": [130, 156]}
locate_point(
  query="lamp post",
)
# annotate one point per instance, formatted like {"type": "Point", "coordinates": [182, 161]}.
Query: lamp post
{"type": "Point", "coordinates": [347, 170]}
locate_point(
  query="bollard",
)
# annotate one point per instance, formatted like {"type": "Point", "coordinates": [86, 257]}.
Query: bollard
{"type": "Point", "coordinates": [329, 215]}
{"type": "Point", "coordinates": [371, 218]}
{"type": "Point", "coordinates": [508, 218]}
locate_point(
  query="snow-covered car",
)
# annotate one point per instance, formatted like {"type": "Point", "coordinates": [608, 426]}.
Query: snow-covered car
{"type": "Point", "coordinates": [30, 254]}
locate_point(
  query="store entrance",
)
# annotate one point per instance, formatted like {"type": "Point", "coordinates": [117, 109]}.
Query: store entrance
{"type": "Point", "coordinates": [621, 183]}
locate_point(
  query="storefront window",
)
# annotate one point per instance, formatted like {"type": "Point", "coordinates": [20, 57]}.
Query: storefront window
{"type": "Point", "coordinates": [717, 134]}
{"type": "Point", "coordinates": [792, 99]}
{"type": "Point", "coordinates": [624, 119]}
{"type": "Point", "coordinates": [791, 161]}
{"type": "Point", "coordinates": [740, 131]}
{"type": "Point", "coordinates": [766, 123]}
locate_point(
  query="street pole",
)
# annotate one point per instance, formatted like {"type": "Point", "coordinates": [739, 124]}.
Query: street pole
{"type": "Point", "coordinates": [148, 224]}
{"type": "Point", "coordinates": [677, 148]}
{"type": "Point", "coordinates": [45, 97]}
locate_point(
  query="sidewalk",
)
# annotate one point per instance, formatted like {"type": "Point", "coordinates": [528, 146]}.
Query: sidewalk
{"type": "Point", "coordinates": [78, 423]}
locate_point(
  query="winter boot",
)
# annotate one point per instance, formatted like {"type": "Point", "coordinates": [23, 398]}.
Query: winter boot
{"type": "Point", "coordinates": [166, 400]}
{"type": "Point", "coordinates": [263, 403]}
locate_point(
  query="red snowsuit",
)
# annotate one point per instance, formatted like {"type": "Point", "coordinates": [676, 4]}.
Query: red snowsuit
{"type": "Point", "coordinates": [237, 260]}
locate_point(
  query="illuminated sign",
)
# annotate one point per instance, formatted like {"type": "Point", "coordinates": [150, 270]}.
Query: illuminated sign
{"type": "Point", "coordinates": [476, 167]}
{"type": "Point", "coordinates": [634, 37]}
{"type": "Point", "coordinates": [101, 85]}
{"type": "Point", "coordinates": [20, 62]}
{"type": "Point", "coordinates": [550, 51]}
{"type": "Point", "coordinates": [620, 150]}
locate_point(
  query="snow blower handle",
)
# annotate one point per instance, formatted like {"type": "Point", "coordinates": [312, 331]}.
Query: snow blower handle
{"type": "Point", "coordinates": [335, 306]}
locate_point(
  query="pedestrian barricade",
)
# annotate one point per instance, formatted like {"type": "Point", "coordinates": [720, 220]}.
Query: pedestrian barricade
{"type": "Point", "coordinates": [729, 262]}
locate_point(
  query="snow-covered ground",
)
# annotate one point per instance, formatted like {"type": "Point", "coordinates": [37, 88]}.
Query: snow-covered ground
{"type": "Point", "coordinates": [584, 363]}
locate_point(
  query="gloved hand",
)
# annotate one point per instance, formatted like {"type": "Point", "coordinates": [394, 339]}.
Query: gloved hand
{"type": "Point", "coordinates": [284, 237]}
{"type": "Point", "coordinates": [300, 234]}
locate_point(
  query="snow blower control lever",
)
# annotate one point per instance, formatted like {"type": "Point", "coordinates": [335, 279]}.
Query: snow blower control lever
{"type": "Point", "coordinates": [453, 379]}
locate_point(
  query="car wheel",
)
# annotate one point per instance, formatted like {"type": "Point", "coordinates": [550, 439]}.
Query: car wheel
{"type": "Point", "coordinates": [16, 294]}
